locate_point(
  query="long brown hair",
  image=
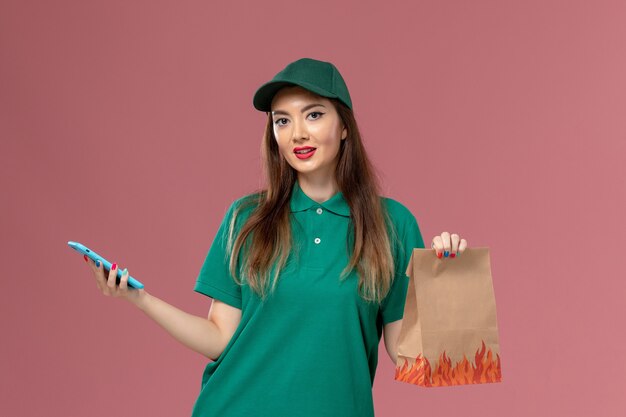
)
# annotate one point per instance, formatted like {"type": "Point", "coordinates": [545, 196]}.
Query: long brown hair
{"type": "Point", "coordinates": [266, 235]}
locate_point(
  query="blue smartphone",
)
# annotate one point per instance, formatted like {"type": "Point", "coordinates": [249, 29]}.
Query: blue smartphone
{"type": "Point", "coordinates": [132, 282]}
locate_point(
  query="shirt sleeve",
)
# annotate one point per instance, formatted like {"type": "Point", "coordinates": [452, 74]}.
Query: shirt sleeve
{"type": "Point", "coordinates": [214, 279]}
{"type": "Point", "coordinates": [410, 237]}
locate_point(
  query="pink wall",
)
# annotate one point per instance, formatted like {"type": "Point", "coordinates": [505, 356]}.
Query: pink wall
{"type": "Point", "coordinates": [129, 126]}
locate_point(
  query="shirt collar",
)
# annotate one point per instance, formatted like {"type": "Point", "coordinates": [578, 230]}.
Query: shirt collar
{"type": "Point", "coordinates": [300, 202]}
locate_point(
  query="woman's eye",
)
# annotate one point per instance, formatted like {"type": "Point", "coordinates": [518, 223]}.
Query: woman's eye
{"type": "Point", "coordinates": [278, 121]}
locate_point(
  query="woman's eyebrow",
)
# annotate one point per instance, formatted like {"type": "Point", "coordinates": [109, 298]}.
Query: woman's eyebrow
{"type": "Point", "coordinates": [305, 108]}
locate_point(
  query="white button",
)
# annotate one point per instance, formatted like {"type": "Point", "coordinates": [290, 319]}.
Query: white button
{"type": "Point", "coordinates": [317, 240]}
{"type": "Point", "coordinates": [319, 211]}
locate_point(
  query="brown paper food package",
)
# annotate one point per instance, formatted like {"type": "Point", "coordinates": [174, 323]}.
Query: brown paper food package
{"type": "Point", "coordinates": [449, 333]}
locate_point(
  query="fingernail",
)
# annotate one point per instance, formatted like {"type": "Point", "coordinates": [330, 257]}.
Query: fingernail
{"type": "Point", "coordinates": [86, 259]}
{"type": "Point", "coordinates": [458, 253]}
{"type": "Point", "coordinates": [446, 253]}
{"type": "Point", "coordinates": [113, 266]}
{"type": "Point", "coordinates": [452, 255]}
{"type": "Point", "coordinates": [98, 263]}
{"type": "Point", "coordinates": [439, 255]}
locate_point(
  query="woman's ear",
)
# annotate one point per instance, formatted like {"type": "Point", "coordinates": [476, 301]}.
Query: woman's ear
{"type": "Point", "coordinates": [344, 133]}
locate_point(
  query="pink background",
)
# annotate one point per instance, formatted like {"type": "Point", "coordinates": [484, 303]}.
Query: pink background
{"type": "Point", "coordinates": [129, 126]}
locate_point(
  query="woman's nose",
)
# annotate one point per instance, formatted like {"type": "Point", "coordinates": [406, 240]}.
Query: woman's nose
{"type": "Point", "coordinates": [300, 131]}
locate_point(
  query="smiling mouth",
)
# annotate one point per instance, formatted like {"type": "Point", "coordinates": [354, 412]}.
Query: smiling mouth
{"type": "Point", "coordinates": [304, 151]}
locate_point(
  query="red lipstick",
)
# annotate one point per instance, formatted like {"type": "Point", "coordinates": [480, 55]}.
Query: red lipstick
{"type": "Point", "coordinates": [304, 152]}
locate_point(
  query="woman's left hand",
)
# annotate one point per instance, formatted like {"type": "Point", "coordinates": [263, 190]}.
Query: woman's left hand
{"type": "Point", "coordinates": [448, 244]}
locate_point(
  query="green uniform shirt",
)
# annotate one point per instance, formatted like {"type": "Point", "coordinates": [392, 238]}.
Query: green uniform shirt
{"type": "Point", "coordinates": [311, 349]}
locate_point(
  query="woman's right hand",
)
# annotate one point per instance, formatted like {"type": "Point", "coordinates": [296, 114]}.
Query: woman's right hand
{"type": "Point", "coordinates": [105, 280]}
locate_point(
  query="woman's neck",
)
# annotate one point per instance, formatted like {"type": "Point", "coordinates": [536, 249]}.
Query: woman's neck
{"type": "Point", "coordinates": [318, 190]}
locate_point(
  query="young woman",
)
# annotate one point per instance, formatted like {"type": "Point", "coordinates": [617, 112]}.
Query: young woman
{"type": "Point", "coordinates": [306, 274]}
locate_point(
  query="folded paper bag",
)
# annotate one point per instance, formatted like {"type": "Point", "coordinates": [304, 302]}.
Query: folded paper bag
{"type": "Point", "coordinates": [449, 333]}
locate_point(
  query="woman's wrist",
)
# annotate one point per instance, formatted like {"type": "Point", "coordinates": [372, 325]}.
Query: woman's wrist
{"type": "Point", "coordinates": [140, 299]}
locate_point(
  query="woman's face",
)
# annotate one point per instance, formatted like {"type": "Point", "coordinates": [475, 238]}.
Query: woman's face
{"type": "Point", "coordinates": [303, 119]}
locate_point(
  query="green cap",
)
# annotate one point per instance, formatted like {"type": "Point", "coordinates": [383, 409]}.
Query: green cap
{"type": "Point", "coordinates": [320, 77]}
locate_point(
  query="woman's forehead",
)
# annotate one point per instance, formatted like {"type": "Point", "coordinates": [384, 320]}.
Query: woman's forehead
{"type": "Point", "coordinates": [296, 96]}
